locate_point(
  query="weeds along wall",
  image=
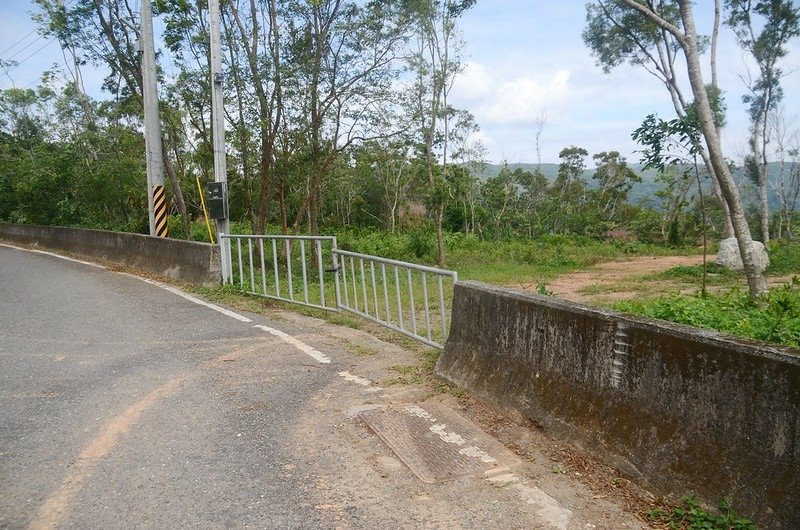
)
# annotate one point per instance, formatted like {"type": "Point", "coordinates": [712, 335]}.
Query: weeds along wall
{"type": "Point", "coordinates": [187, 261]}
{"type": "Point", "coordinates": [683, 409]}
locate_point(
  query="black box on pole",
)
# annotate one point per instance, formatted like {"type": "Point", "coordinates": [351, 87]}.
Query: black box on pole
{"type": "Point", "coordinates": [217, 200]}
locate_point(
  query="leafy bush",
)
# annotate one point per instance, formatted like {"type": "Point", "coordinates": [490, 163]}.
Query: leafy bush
{"type": "Point", "coordinates": [775, 318]}
{"type": "Point", "coordinates": [695, 272]}
{"type": "Point", "coordinates": [784, 258]}
{"type": "Point", "coordinates": [690, 515]}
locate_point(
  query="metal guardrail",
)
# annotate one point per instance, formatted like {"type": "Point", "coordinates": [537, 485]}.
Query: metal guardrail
{"type": "Point", "coordinates": [405, 297]}
{"type": "Point", "coordinates": [287, 268]}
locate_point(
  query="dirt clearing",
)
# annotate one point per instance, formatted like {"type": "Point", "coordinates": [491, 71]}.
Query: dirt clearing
{"type": "Point", "coordinates": [613, 280]}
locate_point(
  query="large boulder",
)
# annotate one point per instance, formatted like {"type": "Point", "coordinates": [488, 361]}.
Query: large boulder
{"type": "Point", "coordinates": [729, 257]}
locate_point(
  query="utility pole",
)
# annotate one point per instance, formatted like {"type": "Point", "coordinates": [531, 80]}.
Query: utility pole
{"type": "Point", "coordinates": [156, 193]}
{"type": "Point", "coordinates": [217, 112]}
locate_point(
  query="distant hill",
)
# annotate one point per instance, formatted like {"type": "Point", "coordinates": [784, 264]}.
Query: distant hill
{"type": "Point", "coordinates": [640, 191]}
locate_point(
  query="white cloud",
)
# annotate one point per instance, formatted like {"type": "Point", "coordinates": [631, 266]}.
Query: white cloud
{"type": "Point", "coordinates": [495, 100]}
{"type": "Point", "coordinates": [521, 101]}
{"type": "Point", "coordinates": [474, 83]}
{"type": "Point", "coordinates": [481, 137]}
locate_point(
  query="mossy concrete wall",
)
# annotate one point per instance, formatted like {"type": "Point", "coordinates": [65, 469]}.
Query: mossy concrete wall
{"type": "Point", "coordinates": [187, 261]}
{"type": "Point", "coordinates": [683, 409]}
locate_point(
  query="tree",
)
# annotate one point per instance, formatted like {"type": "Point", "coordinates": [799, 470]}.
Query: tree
{"type": "Point", "coordinates": [616, 34]}
{"type": "Point", "coordinates": [615, 179]}
{"type": "Point", "coordinates": [687, 39]}
{"type": "Point", "coordinates": [780, 22]}
{"type": "Point", "coordinates": [500, 197]}
{"type": "Point", "coordinates": [787, 181]}
{"type": "Point", "coordinates": [80, 24]}
{"type": "Point", "coordinates": [435, 64]}
{"type": "Point", "coordinates": [568, 191]}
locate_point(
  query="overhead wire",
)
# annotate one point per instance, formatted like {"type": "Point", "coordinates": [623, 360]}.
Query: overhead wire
{"type": "Point", "coordinates": [31, 43]}
{"type": "Point", "coordinates": [7, 67]}
{"type": "Point", "coordinates": [48, 43]}
{"type": "Point", "coordinates": [18, 42]}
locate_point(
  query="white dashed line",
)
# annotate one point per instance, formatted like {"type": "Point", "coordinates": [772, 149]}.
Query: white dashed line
{"type": "Point", "coordinates": [544, 505]}
{"type": "Point", "coordinates": [303, 347]}
{"type": "Point", "coordinates": [366, 383]}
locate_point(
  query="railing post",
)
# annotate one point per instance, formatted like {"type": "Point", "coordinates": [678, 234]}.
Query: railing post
{"type": "Point", "coordinates": [335, 258]}
{"type": "Point", "coordinates": [223, 260]}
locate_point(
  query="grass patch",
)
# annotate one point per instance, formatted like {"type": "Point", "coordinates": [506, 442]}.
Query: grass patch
{"type": "Point", "coordinates": [784, 258]}
{"type": "Point", "coordinates": [775, 318]}
{"type": "Point", "coordinates": [418, 373]}
{"type": "Point", "coordinates": [359, 350]}
{"type": "Point", "coordinates": [540, 260]}
{"type": "Point", "coordinates": [500, 261]}
{"type": "Point", "coordinates": [637, 284]}
{"type": "Point", "coordinates": [690, 515]}
{"type": "Point", "coordinates": [694, 273]}
{"type": "Point", "coordinates": [228, 295]}
{"type": "Point", "coordinates": [347, 321]}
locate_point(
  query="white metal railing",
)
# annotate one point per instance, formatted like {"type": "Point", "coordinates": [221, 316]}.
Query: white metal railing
{"type": "Point", "coordinates": [287, 268]}
{"type": "Point", "coordinates": [405, 297]}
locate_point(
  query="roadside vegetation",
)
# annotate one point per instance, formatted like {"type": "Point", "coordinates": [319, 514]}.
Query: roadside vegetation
{"type": "Point", "coordinates": [322, 139]}
{"type": "Point", "coordinates": [690, 515]}
{"type": "Point", "coordinates": [775, 317]}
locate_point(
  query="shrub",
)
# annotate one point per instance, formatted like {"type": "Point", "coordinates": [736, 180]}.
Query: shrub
{"type": "Point", "coordinates": [774, 318]}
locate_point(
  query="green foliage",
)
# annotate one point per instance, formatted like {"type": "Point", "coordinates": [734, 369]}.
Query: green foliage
{"type": "Point", "coordinates": [773, 318]}
{"type": "Point", "coordinates": [784, 257]}
{"type": "Point", "coordinates": [690, 515]}
{"type": "Point", "coordinates": [413, 245]}
{"type": "Point", "coordinates": [694, 272]}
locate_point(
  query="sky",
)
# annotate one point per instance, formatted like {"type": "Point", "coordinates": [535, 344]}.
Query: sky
{"type": "Point", "coordinates": [523, 60]}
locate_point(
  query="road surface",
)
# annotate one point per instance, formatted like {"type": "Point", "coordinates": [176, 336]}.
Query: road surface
{"type": "Point", "coordinates": [125, 403]}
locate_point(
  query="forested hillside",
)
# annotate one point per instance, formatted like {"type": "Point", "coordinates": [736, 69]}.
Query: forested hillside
{"type": "Point", "coordinates": [648, 187]}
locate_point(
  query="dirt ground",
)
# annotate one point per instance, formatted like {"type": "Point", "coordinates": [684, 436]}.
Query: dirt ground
{"type": "Point", "coordinates": [609, 282]}
{"type": "Point", "coordinates": [603, 276]}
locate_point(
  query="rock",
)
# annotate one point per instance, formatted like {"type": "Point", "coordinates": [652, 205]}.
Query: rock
{"type": "Point", "coordinates": [729, 257]}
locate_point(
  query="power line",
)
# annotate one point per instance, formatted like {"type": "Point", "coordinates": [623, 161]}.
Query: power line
{"type": "Point", "coordinates": [48, 43]}
{"type": "Point", "coordinates": [19, 41]}
{"type": "Point", "coordinates": [31, 43]}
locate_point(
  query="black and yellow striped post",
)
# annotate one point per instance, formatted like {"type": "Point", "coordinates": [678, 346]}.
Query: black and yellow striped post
{"type": "Point", "coordinates": [160, 211]}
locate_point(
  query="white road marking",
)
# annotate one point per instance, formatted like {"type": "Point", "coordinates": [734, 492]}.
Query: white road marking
{"type": "Point", "coordinates": [545, 506]}
{"type": "Point", "coordinates": [416, 410]}
{"type": "Point", "coordinates": [366, 383]}
{"type": "Point", "coordinates": [302, 346]}
{"type": "Point", "coordinates": [503, 480]}
{"type": "Point", "coordinates": [95, 265]}
{"type": "Point", "coordinates": [173, 290]}
{"type": "Point", "coordinates": [477, 452]}
{"type": "Point", "coordinates": [191, 298]}
{"type": "Point", "coordinates": [449, 437]}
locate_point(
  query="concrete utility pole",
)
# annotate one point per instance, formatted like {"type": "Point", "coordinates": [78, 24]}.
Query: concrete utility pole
{"type": "Point", "coordinates": [217, 112]}
{"type": "Point", "coordinates": [156, 193]}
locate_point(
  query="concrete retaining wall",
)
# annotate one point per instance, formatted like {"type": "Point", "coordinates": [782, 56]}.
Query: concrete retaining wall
{"type": "Point", "coordinates": [683, 409]}
{"type": "Point", "coordinates": [187, 261]}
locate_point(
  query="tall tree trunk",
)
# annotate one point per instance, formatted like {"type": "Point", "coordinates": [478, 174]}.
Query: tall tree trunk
{"type": "Point", "coordinates": [688, 42]}
{"type": "Point", "coordinates": [715, 83]}
{"type": "Point", "coordinates": [760, 161]}
{"type": "Point", "coordinates": [755, 278]}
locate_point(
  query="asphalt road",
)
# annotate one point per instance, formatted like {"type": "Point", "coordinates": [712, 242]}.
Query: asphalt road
{"type": "Point", "coordinates": [122, 404]}
{"type": "Point", "coordinates": [126, 404]}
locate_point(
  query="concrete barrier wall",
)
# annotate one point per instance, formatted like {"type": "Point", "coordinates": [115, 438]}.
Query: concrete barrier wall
{"type": "Point", "coordinates": [684, 410]}
{"type": "Point", "coordinates": [187, 261]}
